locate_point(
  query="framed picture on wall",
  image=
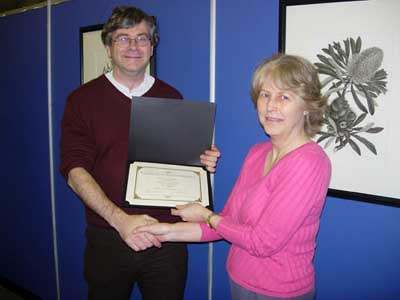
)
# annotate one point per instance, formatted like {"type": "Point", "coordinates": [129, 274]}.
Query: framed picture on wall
{"type": "Point", "coordinates": [352, 45]}
{"type": "Point", "coordinates": [10, 7]}
{"type": "Point", "coordinates": [94, 58]}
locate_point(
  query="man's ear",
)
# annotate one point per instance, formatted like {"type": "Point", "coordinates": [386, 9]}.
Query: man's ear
{"type": "Point", "coordinates": [108, 49]}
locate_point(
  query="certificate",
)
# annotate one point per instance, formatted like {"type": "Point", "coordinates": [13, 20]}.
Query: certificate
{"type": "Point", "coordinates": [165, 185]}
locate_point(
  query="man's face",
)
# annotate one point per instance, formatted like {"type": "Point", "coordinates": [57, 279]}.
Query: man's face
{"type": "Point", "coordinates": [129, 51]}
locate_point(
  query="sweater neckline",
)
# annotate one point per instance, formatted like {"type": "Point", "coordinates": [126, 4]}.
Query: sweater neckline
{"type": "Point", "coordinates": [283, 158]}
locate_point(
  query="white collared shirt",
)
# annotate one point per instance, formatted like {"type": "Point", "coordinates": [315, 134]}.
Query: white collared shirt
{"type": "Point", "coordinates": [135, 92]}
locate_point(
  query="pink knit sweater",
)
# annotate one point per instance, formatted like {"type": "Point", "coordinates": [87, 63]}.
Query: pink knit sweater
{"type": "Point", "coordinates": [272, 221]}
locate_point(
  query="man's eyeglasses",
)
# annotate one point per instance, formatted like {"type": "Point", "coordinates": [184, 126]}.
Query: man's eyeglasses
{"type": "Point", "coordinates": [124, 41]}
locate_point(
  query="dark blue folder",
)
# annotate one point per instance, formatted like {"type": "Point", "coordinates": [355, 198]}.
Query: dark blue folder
{"type": "Point", "coordinates": [169, 130]}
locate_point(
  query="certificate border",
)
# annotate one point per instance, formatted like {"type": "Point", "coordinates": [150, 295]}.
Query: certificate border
{"type": "Point", "coordinates": [138, 168]}
{"type": "Point", "coordinates": [132, 200]}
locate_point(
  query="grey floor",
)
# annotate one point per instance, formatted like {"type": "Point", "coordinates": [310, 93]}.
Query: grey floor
{"type": "Point", "coordinates": [6, 294]}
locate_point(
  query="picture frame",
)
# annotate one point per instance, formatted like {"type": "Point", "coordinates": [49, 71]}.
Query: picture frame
{"type": "Point", "coordinates": [356, 60]}
{"type": "Point", "coordinates": [8, 8]}
{"type": "Point", "coordinates": [93, 55]}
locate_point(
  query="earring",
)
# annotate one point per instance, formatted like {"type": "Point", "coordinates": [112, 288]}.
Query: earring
{"type": "Point", "coordinates": [305, 113]}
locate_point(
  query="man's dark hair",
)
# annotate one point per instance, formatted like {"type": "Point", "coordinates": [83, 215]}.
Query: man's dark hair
{"type": "Point", "coordinates": [127, 17]}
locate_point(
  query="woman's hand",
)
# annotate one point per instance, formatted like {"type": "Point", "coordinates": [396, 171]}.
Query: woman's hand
{"type": "Point", "coordinates": [161, 231]}
{"type": "Point", "coordinates": [177, 232]}
{"type": "Point", "coordinates": [193, 212]}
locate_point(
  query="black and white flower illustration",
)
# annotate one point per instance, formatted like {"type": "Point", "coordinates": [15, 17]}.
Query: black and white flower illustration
{"type": "Point", "coordinates": [353, 80]}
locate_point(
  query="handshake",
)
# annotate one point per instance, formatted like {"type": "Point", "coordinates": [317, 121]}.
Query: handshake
{"type": "Point", "coordinates": [141, 232]}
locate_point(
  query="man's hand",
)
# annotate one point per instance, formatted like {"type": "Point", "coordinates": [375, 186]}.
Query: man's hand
{"type": "Point", "coordinates": [84, 185]}
{"type": "Point", "coordinates": [137, 240]}
{"type": "Point", "coordinates": [210, 157]}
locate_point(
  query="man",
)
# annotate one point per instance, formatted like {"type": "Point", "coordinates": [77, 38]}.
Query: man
{"type": "Point", "coordinates": [94, 146]}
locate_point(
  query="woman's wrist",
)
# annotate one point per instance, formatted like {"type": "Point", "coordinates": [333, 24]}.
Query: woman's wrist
{"type": "Point", "coordinates": [208, 218]}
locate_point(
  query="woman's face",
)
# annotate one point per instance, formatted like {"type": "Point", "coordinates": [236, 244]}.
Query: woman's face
{"type": "Point", "coordinates": [280, 112]}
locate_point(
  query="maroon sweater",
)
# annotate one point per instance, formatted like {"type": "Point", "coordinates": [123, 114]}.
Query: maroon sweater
{"type": "Point", "coordinates": [94, 136]}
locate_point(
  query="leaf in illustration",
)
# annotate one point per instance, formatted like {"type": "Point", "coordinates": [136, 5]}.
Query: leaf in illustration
{"type": "Point", "coordinates": [367, 143]}
{"type": "Point", "coordinates": [325, 60]}
{"type": "Point", "coordinates": [347, 48]}
{"type": "Point", "coordinates": [107, 68]}
{"type": "Point", "coordinates": [355, 147]}
{"type": "Point", "coordinates": [340, 146]}
{"type": "Point", "coordinates": [375, 130]}
{"type": "Point", "coordinates": [370, 101]}
{"type": "Point", "coordinates": [367, 127]}
{"type": "Point", "coordinates": [333, 90]}
{"type": "Point", "coordinates": [323, 137]}
{"type": "Point", "coordinates": [353, 46]}
{"type": "Point", "coordinates": [358, 45]}
{"type": "Point", "coordinates": [357, 100]}
{"type": "Point", "coordinates": [374, 90]}
{"type": "Point", "coordinates": [360, 119]}
{"type": "Point", "coordinates": [329, 142]}
{"type": "Point", "coordinates": [327, 71]}
{"type": "Point", "coordinates": [326, 81]}
{"type": "Point", "coordinates": [342, 54]}
{"type": "Point", "coordinates": [332, 123]}
{"type": "Point", "coordinates": [326, 51]}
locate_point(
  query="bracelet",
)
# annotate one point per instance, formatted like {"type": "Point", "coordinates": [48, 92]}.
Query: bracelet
{"type": "Point", "coordinates": [208, 219]}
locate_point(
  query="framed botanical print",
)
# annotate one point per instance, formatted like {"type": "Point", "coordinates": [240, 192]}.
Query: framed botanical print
{"type": "Point", "coordinates": [354, 45]}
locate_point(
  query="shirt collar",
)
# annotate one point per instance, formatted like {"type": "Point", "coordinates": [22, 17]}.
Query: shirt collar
{"type": "Point", "coordinates": [135, 92]}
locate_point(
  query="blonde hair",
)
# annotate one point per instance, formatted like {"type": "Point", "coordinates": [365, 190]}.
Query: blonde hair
{"type": "Point", "coordinates": [298, 75]}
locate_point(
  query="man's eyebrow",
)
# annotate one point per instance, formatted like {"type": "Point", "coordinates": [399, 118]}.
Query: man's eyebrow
{"type": "Point", "coordinates": [121, 34]}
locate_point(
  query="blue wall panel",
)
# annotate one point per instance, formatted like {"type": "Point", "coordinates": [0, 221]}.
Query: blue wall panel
{"type": "Point", "coordinates": [247, 32]}
{"type": "Point", "coordinates": [26, 251]}
{"type": "Point", "coordinates": [181, 60]}
{"type": "Point", "coordinates": [357, 254]}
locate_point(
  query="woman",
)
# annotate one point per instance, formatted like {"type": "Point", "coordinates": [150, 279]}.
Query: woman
{"type": "Point", "coordinates": [272, 215]}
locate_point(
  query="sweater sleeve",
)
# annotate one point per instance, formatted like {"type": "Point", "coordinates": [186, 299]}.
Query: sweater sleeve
{"type": "Point", "coordinates": [209, 234]}
{"type": "Point", "coordinates": [299, 190]}
{"type": "Point", "coordinates": [77, 144]}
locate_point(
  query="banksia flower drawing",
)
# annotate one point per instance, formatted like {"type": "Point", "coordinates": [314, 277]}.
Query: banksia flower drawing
{"type": "Point", "coordinates": [353, 80]}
